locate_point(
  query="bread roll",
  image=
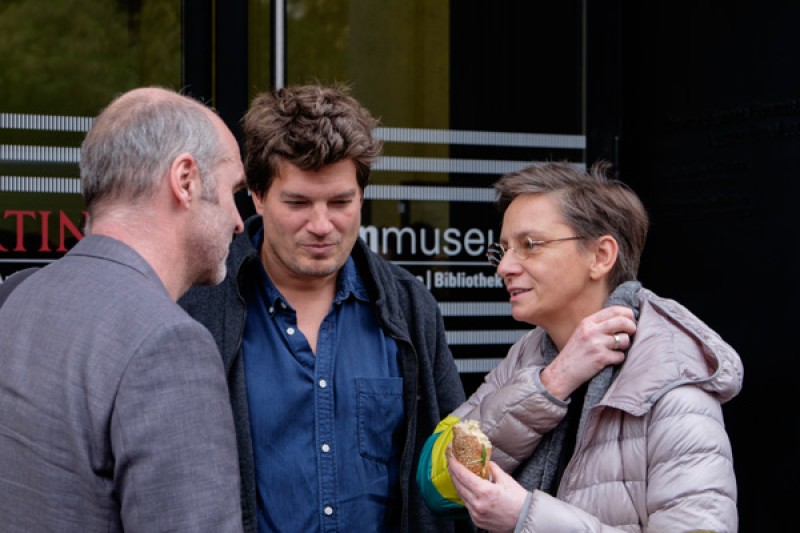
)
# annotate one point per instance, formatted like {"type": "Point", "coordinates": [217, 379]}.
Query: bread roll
{"type": "Point", "coordinates": [472, 447]}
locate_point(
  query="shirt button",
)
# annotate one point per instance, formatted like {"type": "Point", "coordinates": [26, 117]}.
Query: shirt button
{"type": "Point", "coordinates": [283, 305]}
{"type": "Point", "coordinates": [271, 310]}
{"type": "Point", "coordinates": [323, 384]}
{"type": "Point", "coordinates": [290, 331]}
{"type": "Point", "coordinates": [328, 510]}
{"type": "Point", "coordinates": [326, 448]}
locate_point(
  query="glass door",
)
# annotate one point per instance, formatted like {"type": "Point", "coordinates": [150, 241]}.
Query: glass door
{"type": "Point", "coordinates": [62, 61]}
{"type": "Point", "coordinates": [466, 91]}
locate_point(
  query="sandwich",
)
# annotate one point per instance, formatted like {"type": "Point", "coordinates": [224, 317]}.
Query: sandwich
{"type": "Point", "coordinates": [472, 447]}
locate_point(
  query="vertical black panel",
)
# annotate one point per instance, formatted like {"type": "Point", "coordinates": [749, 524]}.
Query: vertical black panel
{"type": "Point", "coordinates": [710, 136]}
{"type": "Point", "coordinates": [217, 75]}
{"type": "Point", "coordinates": [516, 70]}
{"type": "Point", "coordinates": [230, 95]}
{"type": "Point", "coordinates": [231, 75]}
{"type": "Point", "coordinates": [215, 69]}
{"type": "Point", "coordinates": [196, 33]}
{"type": "Point", "coordinates": [603, 80]}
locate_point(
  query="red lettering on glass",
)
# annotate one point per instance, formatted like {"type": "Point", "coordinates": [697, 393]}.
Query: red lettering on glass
{"type": "Point", "coordinates": [45, 232]}
{"type": "Point", "coordinates": [66, 229]}
{"type": "Point", "coordinates": [20, 247]}
{"type": "Point", "coordinates": [65, 222]}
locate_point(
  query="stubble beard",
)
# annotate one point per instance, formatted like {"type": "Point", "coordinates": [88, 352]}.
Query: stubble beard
{"type": "Point", "coordinates": [310, 268]}
{"type": "Point", "coordinates": [207, 255]}
{"type": "Point", "coordinates": [298, 263]}
{"type": "Point", "coordinates": [208, 270]}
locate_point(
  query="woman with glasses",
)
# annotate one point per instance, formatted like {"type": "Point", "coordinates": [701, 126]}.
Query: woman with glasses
{"type": "Point", "coordinates": [607, 415]}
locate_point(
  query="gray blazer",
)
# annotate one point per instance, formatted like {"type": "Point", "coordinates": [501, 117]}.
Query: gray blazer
{"type": "Point", "coordinates": [11, 282]}
{"type": "Point", "coordinates": [114, 411]}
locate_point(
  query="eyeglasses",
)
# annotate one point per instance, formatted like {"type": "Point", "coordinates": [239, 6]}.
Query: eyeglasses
{"type": "Point", "coordinates": [497, 250]}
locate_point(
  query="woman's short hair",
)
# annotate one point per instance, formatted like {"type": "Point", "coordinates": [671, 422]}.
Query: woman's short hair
{"type": "Point", "coordinates": [591, 203]}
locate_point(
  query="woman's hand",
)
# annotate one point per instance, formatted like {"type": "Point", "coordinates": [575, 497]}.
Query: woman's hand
{"type": "Point", "coordinates": [599, 340]}
{"type": "Point", "coordinates": [493, 505]}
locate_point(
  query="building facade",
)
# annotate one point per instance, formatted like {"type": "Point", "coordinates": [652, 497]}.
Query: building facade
{"type": "Point", "coordinates": [697, 106]}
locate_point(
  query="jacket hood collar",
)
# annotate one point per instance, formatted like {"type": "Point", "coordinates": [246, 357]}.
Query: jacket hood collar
{"type": "Point", "coordinates": [673, 347]}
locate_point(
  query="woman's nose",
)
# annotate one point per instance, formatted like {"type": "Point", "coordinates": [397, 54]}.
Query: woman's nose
{"type": "Point", "coordinates": [508, 264]}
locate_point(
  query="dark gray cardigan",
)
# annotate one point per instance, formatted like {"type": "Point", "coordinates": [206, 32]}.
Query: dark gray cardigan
{"type": "Point", "coordinates": [407, 312]}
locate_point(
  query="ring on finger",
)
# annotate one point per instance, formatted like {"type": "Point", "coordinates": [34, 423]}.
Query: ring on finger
{"type": "Point", "coordinates": [617, 342]}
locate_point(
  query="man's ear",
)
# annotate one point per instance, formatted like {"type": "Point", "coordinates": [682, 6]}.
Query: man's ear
{"type": "Point", "coordinates": [258, 202]}
{"type": "Point", "coordinates": [184, 178]}
{"type": "Point", "coordinates": [604, 258]}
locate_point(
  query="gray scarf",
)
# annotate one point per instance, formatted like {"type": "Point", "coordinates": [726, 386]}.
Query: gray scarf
{"type": "Point", "coordinates": [540, 470]}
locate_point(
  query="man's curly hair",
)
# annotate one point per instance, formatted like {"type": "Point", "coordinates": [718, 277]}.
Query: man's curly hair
{"type": "Point", "coordinates": [309, 126]}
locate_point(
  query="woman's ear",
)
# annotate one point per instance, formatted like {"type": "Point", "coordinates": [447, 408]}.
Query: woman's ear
{"type": "Point", "coordinates": [604, 258]}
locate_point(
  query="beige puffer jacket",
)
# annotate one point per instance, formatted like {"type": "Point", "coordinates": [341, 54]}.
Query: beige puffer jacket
{"type": "Point", "coordinates": [654, 455]}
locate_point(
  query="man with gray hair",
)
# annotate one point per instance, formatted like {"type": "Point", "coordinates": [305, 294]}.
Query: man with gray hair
{"type": "Point", "coordinates": [114, 412]}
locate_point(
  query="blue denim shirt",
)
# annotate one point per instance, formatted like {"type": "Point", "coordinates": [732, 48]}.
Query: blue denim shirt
{"type": "Point", "coordinates": [327, 429]}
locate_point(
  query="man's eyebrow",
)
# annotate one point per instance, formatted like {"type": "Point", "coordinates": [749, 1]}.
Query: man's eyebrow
{"type": "Point", "coordinates": [291, 195]}
{"type": "Point", "coordinates": [352, 193]}
{"type": "Point", "coordinates": [347, 194]}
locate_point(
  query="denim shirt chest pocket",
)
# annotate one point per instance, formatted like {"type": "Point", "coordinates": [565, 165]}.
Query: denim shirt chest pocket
{"type": "Point", "coordinates": [380, 411]}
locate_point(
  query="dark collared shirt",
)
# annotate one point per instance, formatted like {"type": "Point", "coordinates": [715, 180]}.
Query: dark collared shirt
{"type": "Point", "coordinates": [327, 428]}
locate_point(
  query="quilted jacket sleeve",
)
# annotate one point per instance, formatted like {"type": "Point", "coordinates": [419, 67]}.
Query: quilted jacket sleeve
{"type": "Point", "coordinates": [433, 476]}
{"type": "Point", "coordinates": [512, 406]}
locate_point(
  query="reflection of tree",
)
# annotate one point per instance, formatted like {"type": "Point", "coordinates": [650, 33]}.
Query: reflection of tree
{"type": "Point", "coordinates": [317, 33]}
{"type": "Point", "coordinates": [77, 54]}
